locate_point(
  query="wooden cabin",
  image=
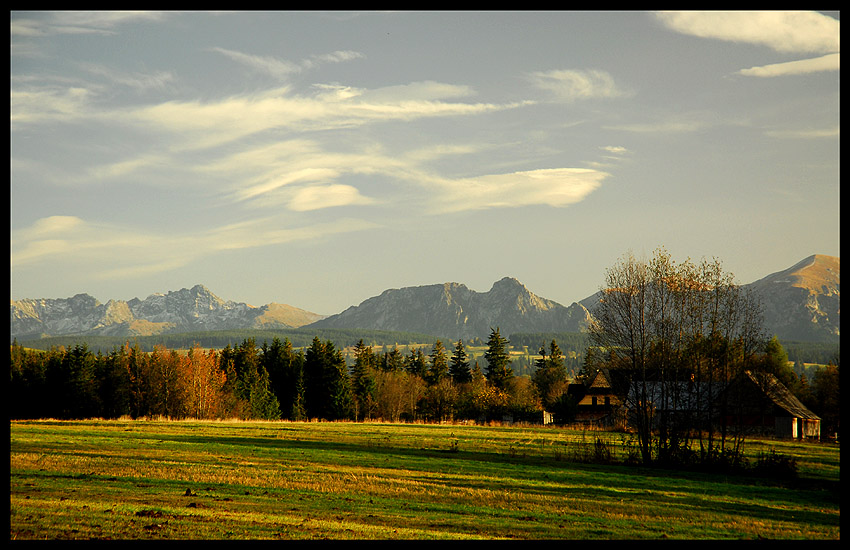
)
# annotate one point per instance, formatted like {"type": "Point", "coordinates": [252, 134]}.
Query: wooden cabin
{"type": "Point", "coordinates": [762, 402]}
{"type": "Point", "coordinates": [598, 399]}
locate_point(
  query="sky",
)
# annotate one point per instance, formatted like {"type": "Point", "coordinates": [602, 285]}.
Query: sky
{"type": "Point", "coordinates": [317, 159]}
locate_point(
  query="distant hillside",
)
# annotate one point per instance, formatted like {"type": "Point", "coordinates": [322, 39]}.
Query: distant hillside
{"type": "Point", "coordinates": [282, 315]}
{"type": "Point", "coordinates": [453, 311]}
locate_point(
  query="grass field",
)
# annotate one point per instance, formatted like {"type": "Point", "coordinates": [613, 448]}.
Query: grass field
{"type": "Point", "coordinates": [128, 479]}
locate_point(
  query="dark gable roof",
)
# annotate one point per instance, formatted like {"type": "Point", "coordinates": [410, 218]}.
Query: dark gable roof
{"type": "Point", "coordinates": [780, 395]}
{"type": "Point", "coordinates": [681, 396]}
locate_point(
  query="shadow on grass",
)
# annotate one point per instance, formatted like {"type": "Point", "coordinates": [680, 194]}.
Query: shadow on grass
{"type": "Point", "coordinates": [653, 487]}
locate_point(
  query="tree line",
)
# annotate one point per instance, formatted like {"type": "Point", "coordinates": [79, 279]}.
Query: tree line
{"type": "Point", "coordinates": [300, 337]}
{"type": "Point", "coordinates": [280, 381]}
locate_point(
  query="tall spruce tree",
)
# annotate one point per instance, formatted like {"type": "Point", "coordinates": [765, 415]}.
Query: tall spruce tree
{"type": "Point", "coordinates": [439, 364]}
{"type": "Point", "coordinates": [363, 380]}
{"type": "Point", "coordinates": [253, 385]}
{"type": "Point", "coordinates": [498, 359]}
{"type": "Point", "coordinates": [416, 364]}
{"type": "Point", "coordinates": [286, 375]}
{"type": "Point", "coordinates": [459, 365]}
{"type": "Point", "coordinates": [550, 375]}
{"type": "Point", "coordinates": [327, 384]}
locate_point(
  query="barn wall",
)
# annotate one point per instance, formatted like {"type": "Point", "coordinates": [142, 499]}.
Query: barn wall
{"type": "Point", "coordinates": [786, 426]}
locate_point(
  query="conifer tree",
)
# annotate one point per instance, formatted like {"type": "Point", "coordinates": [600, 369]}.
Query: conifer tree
{"type": "Point", "coordinates": [550, 376]}
{"type": "Point", "coordinates": [459, 365]}
{"type": "Point", "coordinates": [314, 388]}
{"type": "Point", "coordinates": [338, 383]}
{"type": "Point", "coordinates": [286, 375]}
{"type": "Point", "coordinates": [363, 379]}
{"type": "Point", "coordinates": [499, 370]}
{"type": "Point", "coordinates": [439, 364]}
{"type": "Point", "coordinates": [327, 384]}
{"type": "Point", "coordinates": [416, 364]}
{"type": "Point", "coordinates": [393, 360]}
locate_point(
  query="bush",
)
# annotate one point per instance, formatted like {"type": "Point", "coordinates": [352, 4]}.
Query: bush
{"type": "Point", "coordinates": [597, 452]}
{"type": "Point", "coordinates": [773, 464]}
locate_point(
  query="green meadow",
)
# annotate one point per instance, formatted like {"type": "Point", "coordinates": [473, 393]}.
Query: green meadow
{"type": "Point", "coordinates": [159, 479]}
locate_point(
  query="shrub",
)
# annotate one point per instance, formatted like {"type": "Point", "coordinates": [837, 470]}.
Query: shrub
{"type": "Point", "coordinates": [597, 452]}
{"type": "Point", "coordinates": [773, 464]}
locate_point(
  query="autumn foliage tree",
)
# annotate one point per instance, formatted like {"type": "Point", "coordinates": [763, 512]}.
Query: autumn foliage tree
{"type": "Point", "coordinates": [678, 331]}
{"type": "Point", "coordinates": [205, 383]}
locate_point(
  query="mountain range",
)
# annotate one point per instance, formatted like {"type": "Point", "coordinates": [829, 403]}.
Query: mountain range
{"type": "Point", "coordinates": [185, 310]}
{"type": "Point", "coordinates": [452, 310]}
{"type": "Point", "coordinates": [799, 303]}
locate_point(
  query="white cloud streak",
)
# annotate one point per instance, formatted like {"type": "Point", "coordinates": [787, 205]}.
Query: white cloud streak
{"type": "Point", "coordinates": [282, 69]}
{"type": "Point", "coordinates": [108, 250]}
{"type": "Point", "coordinates": [817, 133]}
{"type": "Point", "coordinates": [200, 125]}
{"type": "Point", "coordinates": [78, 22]}
{"type": "Point", "coordinates": [573, 85]}
{"type": "Point", "coordinates": [829, 62]}
{"type": "Point", "coordinates": [263, 64]}
{"type": "Point", "coordinates": [556, 187]}
{"type": "Point", "coordinates": [783, 31]}
{"type": "Point", "coordinates": [315, 197]}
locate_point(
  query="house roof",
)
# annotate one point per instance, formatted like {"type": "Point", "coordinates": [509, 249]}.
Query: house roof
{"type": "Point", "coordinates": [681, 396]}
{"type": "Point", "coordinates": [780, 395]}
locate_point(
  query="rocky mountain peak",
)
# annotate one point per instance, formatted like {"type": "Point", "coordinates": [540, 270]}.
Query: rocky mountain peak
{"type": "Point", "coordinates": [454, 311]}
{"type": "Point", "coordinates": [509, 285]}
{"type": "Point", "coordinates": [183, 310]}
{"type": "Point", "coordinates": [803, 301]}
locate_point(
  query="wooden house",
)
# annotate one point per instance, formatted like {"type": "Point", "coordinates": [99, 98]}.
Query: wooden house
{"type": "Point", "coordinates": [599, 399]}
{"type": "Point", "coordinates": [760, 401]}
{"type": "Point", "coordinates": [755, 401]}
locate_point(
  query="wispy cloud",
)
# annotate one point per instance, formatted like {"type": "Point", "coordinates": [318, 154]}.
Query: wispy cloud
{"type": "Point", "coordinates": [783, 31]}
{"type": "Point", "coordinates": [677, 124]}
{"type": "Point", "coordinates": [109, 250]}
{"type": "Point", "coordinates": [202, 124]}
{"type": "Point", "coordinates": [196, 124]}
{"type": "Point", "coordinates": [281, 69]}
{"type": "Point", "coordinates": [314, 197]}
{"type": "Point", "coordinates": [338, 56]}
{"type": "Point", "coordinates": [271, 66]}
{"type": "Point", "coordinates": [573, 85]}
{"type": "Point", "coordinates": [787, 32]}
{"type": "Point", "coordinates": [77, 22]}
{"type": "Point", "coordinates": [157, 80]}
{"type": "Point", "coordinates": [829, 62]}
{"type": "Point", "coordinates": [615, 149]}
{"type": "Point", "coordinates": [815, 133]}
{"type": "Point", "coordinates": [556, 187]}
{"type": "Point", "coordinates": [49, 104]}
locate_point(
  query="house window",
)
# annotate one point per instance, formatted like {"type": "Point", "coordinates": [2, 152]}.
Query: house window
{"type": "Point", "coordinates": [593, 400]}
{"type": "Point", "coordinates": [607, 401]}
